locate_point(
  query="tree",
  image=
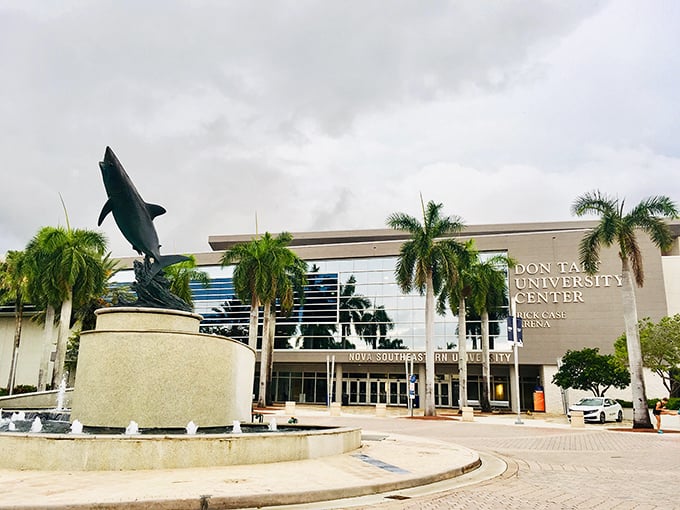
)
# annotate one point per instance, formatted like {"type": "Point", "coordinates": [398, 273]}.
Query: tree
{"type": "Point", "coordinates": [14, 282]}
{"type": "Point", "coordinates": [74, 269]}
{"type": "Point", "coordinates": [457, 289]}
{"type": "Point", "coordinates": [619, 229]}
{"type": "Point", "coordinates": [489, 293]}
{"type": "Point", "coordinates": [249, 280]}
{"type": "Point", "coordinates": [288, 278]}
{"type": "Point", "coordinates": [180, 276]}
{"type": "Point", "coordinates": [425, 261]}
{"type": "Point", "coordinates": [660, 348]}
{"type": "Point", "coordinates": [590, 371]}
{"type": "Point", "coordinates": [266, 269]}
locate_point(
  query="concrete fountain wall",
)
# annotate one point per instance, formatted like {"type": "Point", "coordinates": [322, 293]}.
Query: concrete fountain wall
{"type": "Point", "coordinates": [154, 367]}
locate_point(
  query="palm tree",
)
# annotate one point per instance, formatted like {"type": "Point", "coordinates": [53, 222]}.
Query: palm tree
{"type": "Point", "coordinates": [45, 294]}
{"type": "Point", "coordinates": [489, 293]}
{"type": "Point", "coordinates": [287, 280]}
{"type": "Point", "coordinates": [619, 229]}
{"type": "Point", "coordinates": [351, 309]}
{"type": "Point", "coordinates": [14, 283]}
{"type": "Point", "coordinates": [248, 279]}
{"type": "Point", "coordinates": [424, 262]}
{"type": "Point", "coordinates": [73, 266]}
{"type": "Point", "coordinates": [457, 289]}
{"type": "Point", "coordinates": [265, 270]}
{"type": "Point", "coordinates": [181, 275]}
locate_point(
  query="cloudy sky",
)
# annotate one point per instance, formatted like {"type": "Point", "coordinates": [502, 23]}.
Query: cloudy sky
{"type": "Point", "coordinates": [327, 115]}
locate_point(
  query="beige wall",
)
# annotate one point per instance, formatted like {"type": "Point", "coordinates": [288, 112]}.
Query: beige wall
{"type": "Point", "coordinates": [30, 350]}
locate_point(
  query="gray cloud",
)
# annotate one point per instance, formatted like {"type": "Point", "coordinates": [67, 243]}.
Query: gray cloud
{"type": "Point", "coordinates": [318, 115]}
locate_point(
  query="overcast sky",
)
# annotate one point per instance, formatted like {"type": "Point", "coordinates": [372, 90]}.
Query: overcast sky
{"type": "Point", "coordinates": [327, 115]}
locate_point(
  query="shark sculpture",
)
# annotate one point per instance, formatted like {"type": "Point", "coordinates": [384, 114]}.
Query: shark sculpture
{"type": "Point", "coordinates": [133, 216]}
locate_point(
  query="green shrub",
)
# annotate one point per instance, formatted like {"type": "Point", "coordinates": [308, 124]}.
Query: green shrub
{"type": "Point", "coordinates": [673, 403]}
{"type": "Point", "coordinates": [19, 389]}
{"type": "Point", "coordinates": [626, 404]}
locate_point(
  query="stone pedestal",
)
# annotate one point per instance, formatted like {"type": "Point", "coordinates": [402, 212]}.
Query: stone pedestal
{"type": "Point", "coordinates": [381, 409]}
{"type": "Point", "coordinates": [152, 366]}
{"type": "Point", "coordinates": [468, 414]}
{"type": "Point", "coordinates": [336, 408]}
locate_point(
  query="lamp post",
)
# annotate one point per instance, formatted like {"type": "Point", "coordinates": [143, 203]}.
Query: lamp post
{"type": "Point", "coordinates": [515, 342]}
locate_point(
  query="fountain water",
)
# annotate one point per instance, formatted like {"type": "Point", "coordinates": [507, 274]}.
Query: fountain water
{"type": "Point", "coordinates": [236, 428]}
{"type": "Point", "coordinates": [61, 393]}
{"type": "Point", "coordinates": [191, 428]}
{"type": "Point", "coordinates": [272, 424]}
{"type": "Point", "coordinates": [132, 428]}
{"type": "Point", "coordinates": [37, 425]}
{"type": "Point", "coordinates": [76, 427]}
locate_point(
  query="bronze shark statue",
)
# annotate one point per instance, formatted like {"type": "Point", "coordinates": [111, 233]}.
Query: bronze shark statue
{"type": "Point", "coordinates": [133, 216]}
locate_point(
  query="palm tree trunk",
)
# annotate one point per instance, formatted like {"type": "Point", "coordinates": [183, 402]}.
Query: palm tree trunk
{"type": "Point", "coordinates": [270, 367]}
{"type": "Point", "coordinates": [252, 328]}
{"type": "Point", "coordinates": [429, 347]}
{"type": "Point", "coordinates": [486, 364]}
{"type": "Point", "coordinates": [64, 323]}
{"type": "Point", "coordinates": [48, 332]}
{"type": "Point", "coordinates": [641, 419]}
{"type": "Point", "coordinates": [462, 354]}
{"type": "Point", "coordinates": [18, 322]}
{"type": "Point", "coordinates": [264, 357]}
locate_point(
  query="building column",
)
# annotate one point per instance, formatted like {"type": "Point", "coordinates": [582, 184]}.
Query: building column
{"type": "Point", "coordinates": [338, 382]}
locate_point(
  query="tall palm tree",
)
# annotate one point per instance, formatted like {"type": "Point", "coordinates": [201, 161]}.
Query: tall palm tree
{"type": "Point", "coordinates": [45, 294]}
{"type": "Point", "coordinates": [14, 282]}
{"type": "Point", "coordinates": [261, 275]}
{"type": "Point", "coordinates": [620, 229]}
{"type": "Point", "coordinates": [248, 279]}
{"type": "Point", "coordinates": [288, 277]}
{"type": "Point", "coordinates": [73, 259]}
{"type": "Point", "coordinates": [181, 275]}
{"type": "Point", "coordinates": [425, 261]}
{"type": "Point", "coordinates": [489, 293]}
{"type": "Point", "coordinates": [457, 289]}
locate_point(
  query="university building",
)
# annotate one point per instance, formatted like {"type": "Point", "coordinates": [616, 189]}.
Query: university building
{"type": "Point", "coordinates": [356, 323]}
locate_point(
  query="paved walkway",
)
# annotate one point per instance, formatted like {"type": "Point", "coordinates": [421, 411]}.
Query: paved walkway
{"type": "Point", "coordinates": [542, 463]}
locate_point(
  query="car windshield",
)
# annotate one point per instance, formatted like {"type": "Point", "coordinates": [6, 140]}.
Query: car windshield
{"type": "Point", "coordinates": [589, 402]}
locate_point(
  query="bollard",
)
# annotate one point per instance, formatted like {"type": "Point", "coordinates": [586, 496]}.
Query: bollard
{"type": "Point", "coordinates": [290, 408]}
{"type": "Point", "coordinates": [381, 409]}
{"type": "Point", "coordinates": [577, 419]}
{"type": "Point", "coordinates": [336, 408]}
{"type": "Point", "coordinates": [468, 414]}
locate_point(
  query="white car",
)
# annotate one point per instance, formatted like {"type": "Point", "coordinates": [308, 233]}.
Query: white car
{"type": "Point", "coordinates": [600, 409]}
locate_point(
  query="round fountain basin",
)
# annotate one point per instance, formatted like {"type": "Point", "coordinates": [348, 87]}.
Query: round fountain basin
{"type": "Point", "coordinates": [115, 452]}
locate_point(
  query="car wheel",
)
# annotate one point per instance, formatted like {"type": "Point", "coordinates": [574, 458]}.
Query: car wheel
{"type": "Point", "coordinates": [619, 417]}
{"type": "Point", "coordinates": [602, 417]}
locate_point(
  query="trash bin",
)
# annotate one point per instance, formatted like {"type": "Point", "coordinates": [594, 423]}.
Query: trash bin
{"type": "Point", "coordinates": [539, 401]}
{"type": "Point", "coordinates": [416, 402]}
{"type": "Point", "coordinates": [345, 399]}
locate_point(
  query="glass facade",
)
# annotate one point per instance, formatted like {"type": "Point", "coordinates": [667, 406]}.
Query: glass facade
{"type": "Point", "coordinates": [349, 303]}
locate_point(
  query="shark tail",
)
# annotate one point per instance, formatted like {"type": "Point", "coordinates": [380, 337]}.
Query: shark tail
{"type": "Point", "coordinates": [165, 261]}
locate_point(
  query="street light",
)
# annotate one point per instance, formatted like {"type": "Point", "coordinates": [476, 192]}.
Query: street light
{"type": "Point", "coordinates": [515, 342]}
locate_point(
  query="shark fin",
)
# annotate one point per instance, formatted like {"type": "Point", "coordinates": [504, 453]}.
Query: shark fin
{"type": "Point", "coordinates": [105, 210]}
{"type": "Point", "coordinates": [155, 210]}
